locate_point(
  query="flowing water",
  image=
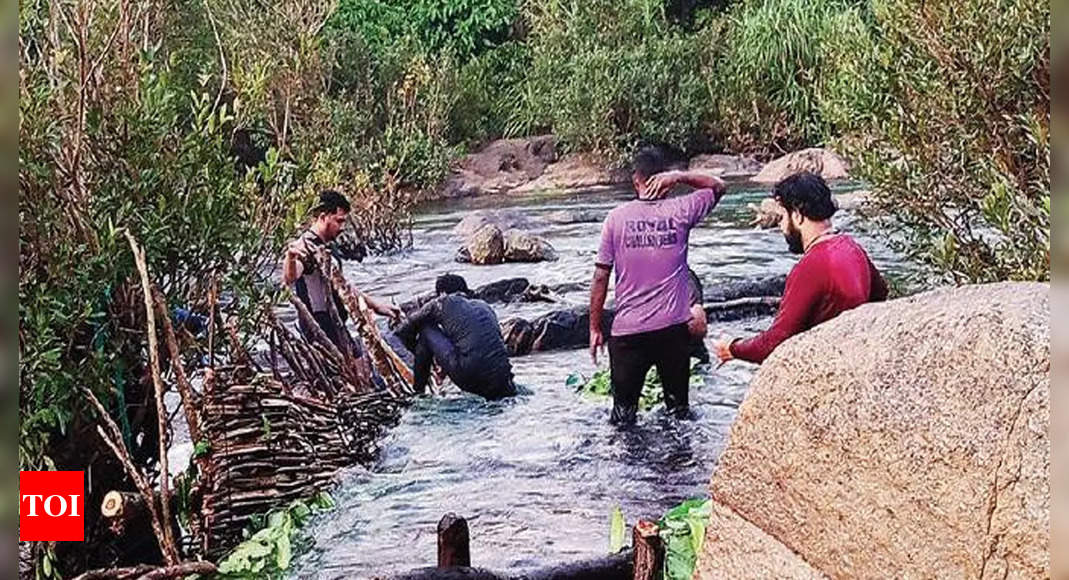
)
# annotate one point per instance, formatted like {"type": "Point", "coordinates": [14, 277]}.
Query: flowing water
{"type": "Point", "coordinates": [538, 475]}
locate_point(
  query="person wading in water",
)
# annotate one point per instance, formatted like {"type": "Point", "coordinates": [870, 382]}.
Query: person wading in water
{"type": "Point", "coordinates": [834, 274]}
{"type": "Point", "coordinates": [645, 242]}
{"type": "Point", "coordinates": [301, 270]}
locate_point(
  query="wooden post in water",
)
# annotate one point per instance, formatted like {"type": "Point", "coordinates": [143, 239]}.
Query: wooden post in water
{"type": "Point", "coordinates": [454, 547]}
{"type": "Point", "coordinates": [648, 551]}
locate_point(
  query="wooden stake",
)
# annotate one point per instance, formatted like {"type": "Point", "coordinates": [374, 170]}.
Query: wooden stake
{"type": "Point", "coordinates": [648, 551]}
{"type": "Point", "coordinates": [454, 547]}
{"type": "Point", "coordinates": [185, 389]}
{"type": "Point", "coordinates": [170, 553]}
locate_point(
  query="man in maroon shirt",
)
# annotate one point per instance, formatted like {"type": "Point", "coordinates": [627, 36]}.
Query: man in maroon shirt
{"type": "Point", "coordinates": [834, 274]}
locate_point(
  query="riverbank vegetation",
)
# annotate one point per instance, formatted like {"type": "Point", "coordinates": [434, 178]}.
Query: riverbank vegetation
{"type": "Point", "coordinates": [204, 128]}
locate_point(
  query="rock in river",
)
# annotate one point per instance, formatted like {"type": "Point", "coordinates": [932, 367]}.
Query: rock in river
{"type": "Point", "coordinates": [906, 438]}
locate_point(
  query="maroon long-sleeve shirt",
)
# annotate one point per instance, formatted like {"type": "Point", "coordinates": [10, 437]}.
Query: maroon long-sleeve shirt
{"type": "Point", "coordinates": [835, 275]}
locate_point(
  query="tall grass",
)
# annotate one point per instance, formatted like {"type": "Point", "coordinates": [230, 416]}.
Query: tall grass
{"type": "Point", "coordinates": [774, 65]}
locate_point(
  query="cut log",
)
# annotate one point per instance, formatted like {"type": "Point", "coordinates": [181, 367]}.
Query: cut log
{"type": "Point", "coordinates": [121, 504]}
{"type": "Point", "coordinates": [454, 548]}
{"type": "Point", "coordinates": [648, 551]}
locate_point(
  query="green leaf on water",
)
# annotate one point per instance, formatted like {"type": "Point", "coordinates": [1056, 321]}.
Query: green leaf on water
{"type": "Point", "coordinates": [575, 381]}
{"type": "Point", "coordinates": [283, 552]}
{"type": "Point", "coordinates": [617, 530]}
{"type": "Point", "coordinates": [683, 530]}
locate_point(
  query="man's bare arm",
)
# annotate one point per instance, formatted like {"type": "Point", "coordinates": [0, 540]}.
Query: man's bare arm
{"type": "Point", "coordinates": [599, 288]}
{"type": "Point", "coordinates": [292, 267]}
{"type": "Point", "coordinates": [659, 185]}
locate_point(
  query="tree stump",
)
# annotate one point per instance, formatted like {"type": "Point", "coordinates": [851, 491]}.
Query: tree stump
{"type": "Point", "coordinates": [648, 551]}
{"type": "Point", "coordinates": [453, 542]}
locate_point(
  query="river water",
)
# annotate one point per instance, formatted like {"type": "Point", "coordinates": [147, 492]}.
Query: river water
{"type": "Point", "coordinates": [538, 475]}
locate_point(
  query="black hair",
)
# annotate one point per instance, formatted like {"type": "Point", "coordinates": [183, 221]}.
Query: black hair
{"type": "Point", "coordinates": [806, 193]}
{"type": "Point", "coordinates": [451, 284]}
{"type": "Point", "coordinates": [650, 161]}
{"type": "Point", "coordinates": [331, 201]}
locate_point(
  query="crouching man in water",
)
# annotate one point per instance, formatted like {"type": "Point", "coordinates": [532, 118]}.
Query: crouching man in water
{"type": "Point", "coordinates": [462, 335]}
{"type": "Point", "coordinates": [834, 274]}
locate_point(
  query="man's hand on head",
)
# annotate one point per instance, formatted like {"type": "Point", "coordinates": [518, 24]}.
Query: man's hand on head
{"type": "Point", "coordinates": [659, 185]}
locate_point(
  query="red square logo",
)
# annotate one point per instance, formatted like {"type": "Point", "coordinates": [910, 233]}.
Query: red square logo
{"type": "Point", "coordinates": [51, 506]}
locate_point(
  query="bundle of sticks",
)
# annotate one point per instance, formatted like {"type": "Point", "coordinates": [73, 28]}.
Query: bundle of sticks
{"type": "Point", "coordinates": [269, 447]}
{"type": "Point", "coordinates": [324, 368]}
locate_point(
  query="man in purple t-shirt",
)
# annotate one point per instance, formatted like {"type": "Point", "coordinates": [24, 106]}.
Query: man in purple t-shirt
{"type": "Point", "coordinates": [645, 241]}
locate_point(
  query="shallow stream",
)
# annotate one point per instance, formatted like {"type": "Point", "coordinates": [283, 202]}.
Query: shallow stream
{"type": "Point", "coordinates": [538, 475]}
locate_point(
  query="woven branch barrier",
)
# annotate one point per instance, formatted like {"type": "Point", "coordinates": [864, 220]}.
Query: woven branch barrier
{"type": "Point", "coordinates": [268, 447]}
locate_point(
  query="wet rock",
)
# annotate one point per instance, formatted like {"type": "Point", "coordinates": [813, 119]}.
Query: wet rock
{"type": "Point", "coordinates": [507, 291]}
{"type": "Point", "coordinates": [575, 216]}
{"type": "Point", "coordinates": [820, 161]}
{"type": "Point", "coordinates": [503, 219]}
{"type": "Point", "coordinates": [727, 165]}
{"type": "Point", "coordinates": [481, 231]}
{"type": "Point", "coordinates": [767, 214]}
{"type": "Point", "coordinates": [910, 435]}
{"type": "Point", "coordinates": [518, 334]}
{"type": "Point", "coordinates": [735, 289]}
{"type": "Point", "coordinates": [501, 166]}
{"type": "Point", "coordinates": [561, 329]}
{"type": "Point", "coordinates": [486, 246]}
{"type": "Point", "coordinates": [524, 247]}
{"type": "Point", "coordinates": [569, 328]}
{"type": "Point", "coordinates": [513, 290]}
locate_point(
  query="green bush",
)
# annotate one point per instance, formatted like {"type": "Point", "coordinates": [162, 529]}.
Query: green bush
{"type": "Point", "coordinates": [489, 98]}
{"type": "Point", "coordinates": [772, 68]}
{"type": "Point", "coordinates": [270, 550]}
{"type": "Point", "coordinates": [607, 75]}
{"type": "Point", "coordinates": [946, 112]}
{"type": "Point", "coordinates": [462, 28]}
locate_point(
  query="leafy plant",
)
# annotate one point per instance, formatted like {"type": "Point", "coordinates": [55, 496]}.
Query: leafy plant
{"type": "Point", "coordinates": [683, 532]}
{"type": "Point", "coordinates": [946, 111]}
{"type": "Point", "coordinates": [682, 529]}
{"type": "Point", "coordinates": [599, 385]}
{"type": "Point", "coordinates": [617, 530]}
{"type": "Point", "coordinates": [268, 552]}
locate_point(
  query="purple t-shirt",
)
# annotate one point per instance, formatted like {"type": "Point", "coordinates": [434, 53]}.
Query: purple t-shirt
{"type": "Point", "coordinates": [646, 244]}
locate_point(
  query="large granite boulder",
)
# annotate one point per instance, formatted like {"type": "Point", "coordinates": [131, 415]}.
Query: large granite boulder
{"type": "Point", "coordinates": [501, 166]}
{"type": "Point", "coordinates": [768, 213]}
{"type": "Point", "coordinates": [576, 171]}
{"type": "Point", "coordinates": [575, 216]}
{"type": "Point", "coordinates": [820, 161]}
{"type": "Point", "coordinates": [906, 439]}
{"type": "Point", "coordinates": [486, 246]}
{"type": "Point", "coordinates": [727, 165]}
{"type": "Point", "coordinates": [521, 246]}
{"type": "Point", "coordinates": [485, 231]}
{"type": "Point", "coordinates": [503, 219]}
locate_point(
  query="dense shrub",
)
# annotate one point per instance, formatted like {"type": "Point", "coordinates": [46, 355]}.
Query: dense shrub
{"type": "Point", "coordinates": [946, 112]}
{"type": "Point", "coordinates": [463, 28]}
{"type": "Point", "coordinates": [607, 75]}
{"type": "Point", "coordinates": [773, 66]}
{"type": "Point", "coordinates": [490, 96]}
